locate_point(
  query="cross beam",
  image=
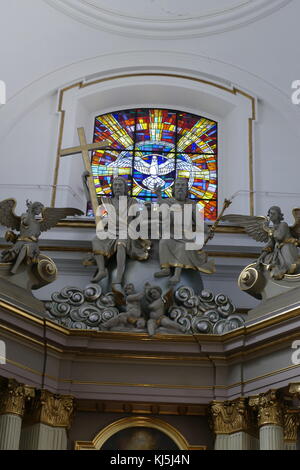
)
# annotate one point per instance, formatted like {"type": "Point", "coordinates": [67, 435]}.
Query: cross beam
{"type": "Point", "coordinates": [84, 148]}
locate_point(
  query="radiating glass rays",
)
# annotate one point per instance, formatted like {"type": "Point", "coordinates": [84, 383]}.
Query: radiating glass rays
{"type": "Point", "coordinates": [151, 147]}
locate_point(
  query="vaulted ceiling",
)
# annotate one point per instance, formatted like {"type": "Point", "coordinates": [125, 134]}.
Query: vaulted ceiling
{"type": "Point", "coordinates": [38, 37]}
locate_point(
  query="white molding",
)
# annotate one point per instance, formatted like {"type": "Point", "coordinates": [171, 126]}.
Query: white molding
{"type": "Point", "coordinates": [194, 65]}
{"type": "Point", "coordinates": [172, 25]}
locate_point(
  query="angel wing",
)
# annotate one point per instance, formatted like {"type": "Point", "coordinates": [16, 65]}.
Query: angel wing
{"type": "Point", "coordinates": [7, 214]}
{"type": "Point", "coordinates": [295, 229]}
{"type": "Point", "coordinates": [256, 227]}
{"type": "Point", "coordinates": [168, 299]}
{"type": "Point", "coordinates": [52, 215]}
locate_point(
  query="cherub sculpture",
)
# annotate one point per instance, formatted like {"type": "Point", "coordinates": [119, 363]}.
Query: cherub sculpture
{"type": "Point", "coordinates": [133, 314]}
{"type": "Point", "coordinates": [156, 306]}
{"type": "Point", "coordinates": [25, 243]}
{"type": "Point", "coordinates": [280, 256]}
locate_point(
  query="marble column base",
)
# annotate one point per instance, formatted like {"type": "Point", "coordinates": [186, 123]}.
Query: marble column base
{"type": "Point", "coordinates": [42, 437]}
{"type": "Point", "coordinates": [10, 431]}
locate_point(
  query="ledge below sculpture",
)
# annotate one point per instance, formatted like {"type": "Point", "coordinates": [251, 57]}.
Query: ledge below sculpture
{"type": "Point", "coordinates": [16, 288]}
{"type": "Point", "coordinates": [275, 294]}
{"type": "Point", "coordinates": [185, 311]}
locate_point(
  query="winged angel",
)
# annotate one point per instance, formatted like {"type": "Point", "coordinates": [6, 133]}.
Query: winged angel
{"type": "Point", "coordinates": [280, 255]}
{"type": "Point", "coordinates": [25, 243]}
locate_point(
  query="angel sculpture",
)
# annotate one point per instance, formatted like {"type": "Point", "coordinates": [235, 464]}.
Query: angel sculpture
{"type": "Point", "coordinates": [133, 313]}
{"type": "Point", "coordinates": [25, 243]}
{"type": "Point", "coordinates": [280, 255]}
{"type": "Point", "coordinates": [156, 311]}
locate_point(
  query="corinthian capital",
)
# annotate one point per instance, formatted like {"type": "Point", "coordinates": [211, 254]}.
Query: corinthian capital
{"type": "Point", "coordinates": [231, 416]}
{"type": "Point", "coordinates": [291, 424]}
{"type": "Point", "coordinates": [13, 397]}
{"type": "Point", "coordinates": [269, 408]}
{"type": "Point", "coordinates": [52, 409]}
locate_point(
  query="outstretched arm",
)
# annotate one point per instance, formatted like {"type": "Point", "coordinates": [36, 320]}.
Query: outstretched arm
{"type": "Point", "coordinates": [134, 297]}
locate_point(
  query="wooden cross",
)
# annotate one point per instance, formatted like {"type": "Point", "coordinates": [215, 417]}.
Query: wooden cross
{"type": "Point", "coordinates": [84, 148]}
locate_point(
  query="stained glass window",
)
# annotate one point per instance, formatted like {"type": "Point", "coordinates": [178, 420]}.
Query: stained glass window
{"type": "Point", "coordinates": [152, 147]}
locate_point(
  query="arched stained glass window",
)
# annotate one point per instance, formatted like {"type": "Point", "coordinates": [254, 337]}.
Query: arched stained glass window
{"type": "Point", "coordinates": [154, 146]}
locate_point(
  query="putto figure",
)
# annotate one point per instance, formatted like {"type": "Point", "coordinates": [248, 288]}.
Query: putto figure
{"type": "Point", "coordinates": [280, 255]}
{"type": "Point", "coordinates": [29, 227]}
{"type": "Point", "coordinates": [173, 252]}
{"type": "Point", "coordinates": [132, 317]}
{"type": "Point", "coordinates": [105, 248]}
{"type": "Point", "coordinates": [156, 306]}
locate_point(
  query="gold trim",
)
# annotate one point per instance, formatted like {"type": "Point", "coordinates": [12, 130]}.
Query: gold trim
{"type": "Point", "coordinates": [260, 325]}
{"type": "Point", "coordinates": [166, 386]}
{"type": "Point", "coordinates": [140, 421]}
{"type": "Point", "coordinates": [157, 408]}
{"type": "Point", "coordinates": [233, 91]}
{"type": "Point", "coordinates": [79, 249]}
{"type": "Point", "coordinates": [87, 224]}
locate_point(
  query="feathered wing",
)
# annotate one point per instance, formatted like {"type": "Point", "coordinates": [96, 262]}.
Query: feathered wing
{"type": "Point", "coordinates": [295, 229]}
{"type": "Point", "coordinates": [168, 299]}
{"type": "Point", "coordinates": [52, 215]}
{"type": "Point", "coordinates": [124, 162]}
{"type": "Point", "coordinates": [7, 214]}
{"type": "Point", "coordinates": [166, 167]}
{"type": "Point", "coordinates": [256, 227]}
{"type": "Point", "coordinates": [141, 165]}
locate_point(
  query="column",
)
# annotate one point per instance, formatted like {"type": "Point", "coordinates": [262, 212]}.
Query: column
{"type": "Point", "coordinates": [270, 420]}
{"type": "Point", "coordinates": [13, 397]}
{"type": "Point", "coordinates": [233, 425]}
{"type": "Point", "coordinates": [47, 422]}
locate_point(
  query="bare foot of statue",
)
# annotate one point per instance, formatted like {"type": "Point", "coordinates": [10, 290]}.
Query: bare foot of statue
{"type": "Point", "coordinates": [165, 272]}
{"type": "Point", "coordinates": [174, 280]}
{"type": "Point", "coordinates": [99, 275]}
{"type": "Point", "coordinates": [117, 287]}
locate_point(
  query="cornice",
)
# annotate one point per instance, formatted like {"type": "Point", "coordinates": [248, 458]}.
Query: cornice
{"type": "Point", "coordinates": [172, 24]}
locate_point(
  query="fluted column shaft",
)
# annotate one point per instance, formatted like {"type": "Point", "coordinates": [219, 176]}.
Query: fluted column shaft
{"type": "Point", "coordinates": [47, 422]}
{"type": "Point", "coordinates": [13, 397]}
{"type": "Point", "coordinates": [42, 437]}
{"type": "Point", "coordinates": [10, 431]}
{"type": "Point", "coordinates": [271, 437]}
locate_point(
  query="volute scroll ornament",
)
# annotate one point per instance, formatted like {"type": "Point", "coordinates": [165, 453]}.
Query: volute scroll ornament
{"type": "Point", "coordinates": [269, 408]}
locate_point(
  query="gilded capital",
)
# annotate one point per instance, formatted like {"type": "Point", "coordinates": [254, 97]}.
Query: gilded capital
{"type": "Point", "coordinates": [52, 409]}
{"type": "Point", "coordinates": [294, 390]}
{"type": "Point", "coordinates": [13, 397]}
{"type": "Point", "coordinates": [231, 416]}
{"type": "Point", "coordinates": [291, 424]}
{"type": "Point", "coordinates": [269, 408]}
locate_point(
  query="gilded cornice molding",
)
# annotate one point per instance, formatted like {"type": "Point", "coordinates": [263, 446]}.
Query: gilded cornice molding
{"type": "Point", "coordinates": [291, 423]}
{"type": "Point", "coordinates": [229, 417]}
{"type": "Point", "coordinates": [269, 408]}
{"type": "Point", "coordinates": [13, 397]}
{"type": "Point", "coordinates": [51, 409]}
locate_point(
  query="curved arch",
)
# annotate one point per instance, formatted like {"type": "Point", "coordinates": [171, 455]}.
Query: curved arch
{"type": "Point", "coordinates": [134, 421]}
{"type": "Point", "coordinates": [151, 61]}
